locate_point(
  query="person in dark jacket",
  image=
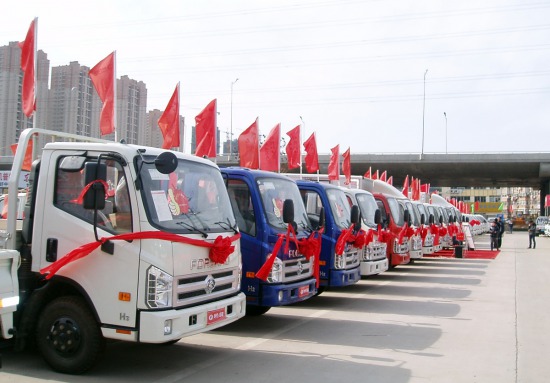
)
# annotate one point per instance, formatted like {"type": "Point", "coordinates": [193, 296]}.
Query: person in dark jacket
{"type": "Point", "coordinates": [493, 231]}
{"type": "Point", "coordinates": [501, 230]}
{"type": "Point", "coordinates": [532, 229]}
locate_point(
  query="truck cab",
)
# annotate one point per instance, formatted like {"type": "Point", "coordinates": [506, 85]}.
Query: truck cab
{"type": "Point", "coordinates": [373, 256]}
{"type": "Point", "coordinates": [120, 242]}
{"type": "Point", "coordinates": [328, 203]}
{"type": "Point", "coordinates": [430, 240]}
{"type": "Point", "coordinates": [258, 199]}
{"type": "Point", "coordinates": [394, 218]}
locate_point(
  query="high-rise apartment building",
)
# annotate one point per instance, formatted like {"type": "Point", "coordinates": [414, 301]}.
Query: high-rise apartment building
{"type": "Point", "coordinates": [131, 110]}
{"type": "Point", "coordinates": [74, 104]}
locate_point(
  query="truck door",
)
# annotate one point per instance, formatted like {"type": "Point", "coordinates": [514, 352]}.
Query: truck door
{"type": "Point", "coordinates": [246, 212]}
{"type": "Point", "coordinates": [62, 225]}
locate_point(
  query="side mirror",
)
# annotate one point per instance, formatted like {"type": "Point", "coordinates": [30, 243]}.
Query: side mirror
{"type": "Point", "coordinates": [355, 217]}
{"type": "Point", "coordinates": [431, 219]}
{"type": "Point", "coordinates": [422, 219]}
{"type": "Point", "coordinates": [288, 211]}
{"type": "Point", "coordinates": [166, 162]}
{"type": "Point", "coordinates": [94, 198]}
{"type": "Point", "coordinates": [322, 217]}
{"type": "Point", "coordinates": [377, 216]}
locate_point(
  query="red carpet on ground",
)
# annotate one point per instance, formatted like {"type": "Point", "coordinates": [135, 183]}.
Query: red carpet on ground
{"type": "Point", "coordinates": [469, 254]}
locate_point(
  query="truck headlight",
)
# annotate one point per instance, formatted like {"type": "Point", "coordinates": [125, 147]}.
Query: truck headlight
{"type": "Point", "coordinates": [159, 288]}
{"type": "Point", "coordinates": [339, 261]}
{"type": "Point", "coordinates": [276, 273]}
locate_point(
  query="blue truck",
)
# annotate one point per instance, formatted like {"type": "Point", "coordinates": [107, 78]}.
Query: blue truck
{"type": "Point", "coordinates": [271, 216]}
{"type": "Point", "coordinates": [328, 203]}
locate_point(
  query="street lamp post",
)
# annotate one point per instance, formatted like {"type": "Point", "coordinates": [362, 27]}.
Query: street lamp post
{"type": "Point", "coordinates": [423, 113]}
{"type": "Point", "coordinates": [231, 123]}
{"type": "Point", "coordinates": [445, 114]}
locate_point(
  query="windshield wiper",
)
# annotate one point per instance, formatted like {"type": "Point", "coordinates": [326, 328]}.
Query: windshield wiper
{"type": "Point", "coordinates": [227, 226]}
{"type": "Point", "coordinates": [192, 228]}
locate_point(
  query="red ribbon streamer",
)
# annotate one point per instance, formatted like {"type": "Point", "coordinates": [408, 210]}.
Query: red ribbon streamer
{"type": "Point", "coordinates": [219, 250]}
{"type": "Point", "coordinates": [80, 197]}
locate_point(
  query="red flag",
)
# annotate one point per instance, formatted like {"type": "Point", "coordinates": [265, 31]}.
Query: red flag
{"type": "Point", "coordinates": [205, 130]}
{"type": "Point", "coordinates": [390, 180]}
{"type": "Point", "coordinates": [406, 187]}
{"type": "Point", "coordinates": [28, 53]}
{"type": "Point", "coordinates": [27, 161]}
{"type": "Point", "coordinates": [312, 158]}
{"type": "Point", "coordinates": [476, 206]}
{"type": "Point", "coordinates": [248, 147]}
{"type": "Point", "coordinates": [334, 164]}
{"type": "Point", "coordinates": [346, 166]}
{"type": "Point", "coordinates": [383, 176]}
{"type": "Point", "coordinates": [269, 152]}
{"type": "Point", "coordinates": [415, 189]}
{"type": "Point", "coordinates": [169, 121]}
{"type": "Point", "coordinates": [424, 188]}
{"type": "Point", "coordinates": [103, 78]}
{"type": "Point", "coordinates": [368, 173]}
{"type": "Point", "coordinates": [375, 175]}
{"type": "Point", "coordinates": [293, 155]}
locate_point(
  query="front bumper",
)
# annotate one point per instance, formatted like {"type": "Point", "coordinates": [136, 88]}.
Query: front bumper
{"type": "Point", "coordinates": [190, 321]}
{"type": "Point", "coordinates": [373, 267]}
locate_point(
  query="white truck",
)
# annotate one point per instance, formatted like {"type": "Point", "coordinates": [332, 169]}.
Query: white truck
{"type": "Point", "coordinates": [117, 242]}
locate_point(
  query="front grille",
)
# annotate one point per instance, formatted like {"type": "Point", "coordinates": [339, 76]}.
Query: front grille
{"type": "Point", "coordinates": [400, 249]}
{"type": "Point", "coordinates": [416, 243]}
{"type": "Point", "coordinates": [297, 269]}
{"type": "Point", "coordinates": [194, 289]}
{"type": "Point", "coordinates": [352, 257]}
{"type": "Point", "coordinates": [374, 251]}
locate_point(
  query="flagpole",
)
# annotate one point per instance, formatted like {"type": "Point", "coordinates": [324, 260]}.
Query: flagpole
{"type": "Point", "coordinates": [35, 81]}
{"type": "Point", "coordinates": [181, 129]}
{"type": "Point", "coordinates": [302, 130]}
{"type": "Point", "coordinates": [115, 95]}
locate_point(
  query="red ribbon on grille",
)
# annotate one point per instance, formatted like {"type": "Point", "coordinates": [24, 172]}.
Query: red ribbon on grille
{"type": "Point", "coordinates": [309, 247]}
{"type": "Point", "coordinates": [343, 239]}
{"type": "Point", "coordinates": [220, 249]}
{"type": "Point", "coordinates": [403, 232]}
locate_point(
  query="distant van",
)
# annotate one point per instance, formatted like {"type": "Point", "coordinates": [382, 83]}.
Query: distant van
{"type": "Point", "coordinates": [541, 222]}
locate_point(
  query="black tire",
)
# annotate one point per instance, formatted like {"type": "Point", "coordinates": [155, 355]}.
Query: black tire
{"type": "Point", "coordinates": [254, 311]}
{"type": "Point", "coordinates": [68, 336]}
{"type": "Point", "coordinates": [320, 290]}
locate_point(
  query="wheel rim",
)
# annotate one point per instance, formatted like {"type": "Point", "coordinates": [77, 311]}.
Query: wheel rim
{"type": "Point", "coordinates": [64, 336]}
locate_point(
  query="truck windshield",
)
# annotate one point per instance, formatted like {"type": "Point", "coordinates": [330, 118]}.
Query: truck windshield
{"type": "Point", "coordinates": [339, 207]}
{"type": "Point", "coordinates": [422, 210]}
{"type": "Point", "coordinates": [367, 206]}
{"type": "Point", "coordinates": [415, 216]}
{"type": "Point", "coordinates": [192, 199]}
{"type": "Point", "coordinates": [397, 211]}
{"type": "Point", "coordinates": [274, 191]}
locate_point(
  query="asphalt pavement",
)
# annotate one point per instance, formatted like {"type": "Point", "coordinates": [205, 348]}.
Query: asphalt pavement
{"type": "Point", "coordinates": [437, 320]}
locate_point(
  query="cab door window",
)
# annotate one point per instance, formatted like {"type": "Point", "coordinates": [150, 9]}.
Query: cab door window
{"type": "Point", "coordinates": [115, 217]}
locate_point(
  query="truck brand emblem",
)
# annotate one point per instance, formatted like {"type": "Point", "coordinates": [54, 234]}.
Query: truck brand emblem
{"type": "Point", "coordinates": [300, 268]}
{"type": "Point", "coordinates": [210, 284]}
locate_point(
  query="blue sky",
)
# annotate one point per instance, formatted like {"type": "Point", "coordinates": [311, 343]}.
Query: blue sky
{"type": "Point", "coordinates": [353, 70]}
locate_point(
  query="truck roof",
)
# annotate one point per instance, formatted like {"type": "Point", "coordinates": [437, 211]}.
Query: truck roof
{"type": "Point", "coordinates": [127, 150]}
{"type": "Point", "coordinates": [254, 172]}
{"type": "Point", "coordinates": [381, 187]}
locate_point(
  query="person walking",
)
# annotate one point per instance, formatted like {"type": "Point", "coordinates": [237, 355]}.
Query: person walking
{"type": "Point", "coordinates": [510, 225]}
{"type": "Point", "coordinates": [532, 229]}
{"type": "Point", "coordinates": [493, 232]}
{"type": "Point", "coordinates": [501, 230]}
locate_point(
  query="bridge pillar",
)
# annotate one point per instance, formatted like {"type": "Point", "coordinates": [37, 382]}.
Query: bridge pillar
{"type": "Point", "coordinates": [544, 191]}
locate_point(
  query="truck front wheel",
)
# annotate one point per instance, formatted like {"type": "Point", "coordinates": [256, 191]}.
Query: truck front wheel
{"type": "Point", "coordinates": [68, 336]}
